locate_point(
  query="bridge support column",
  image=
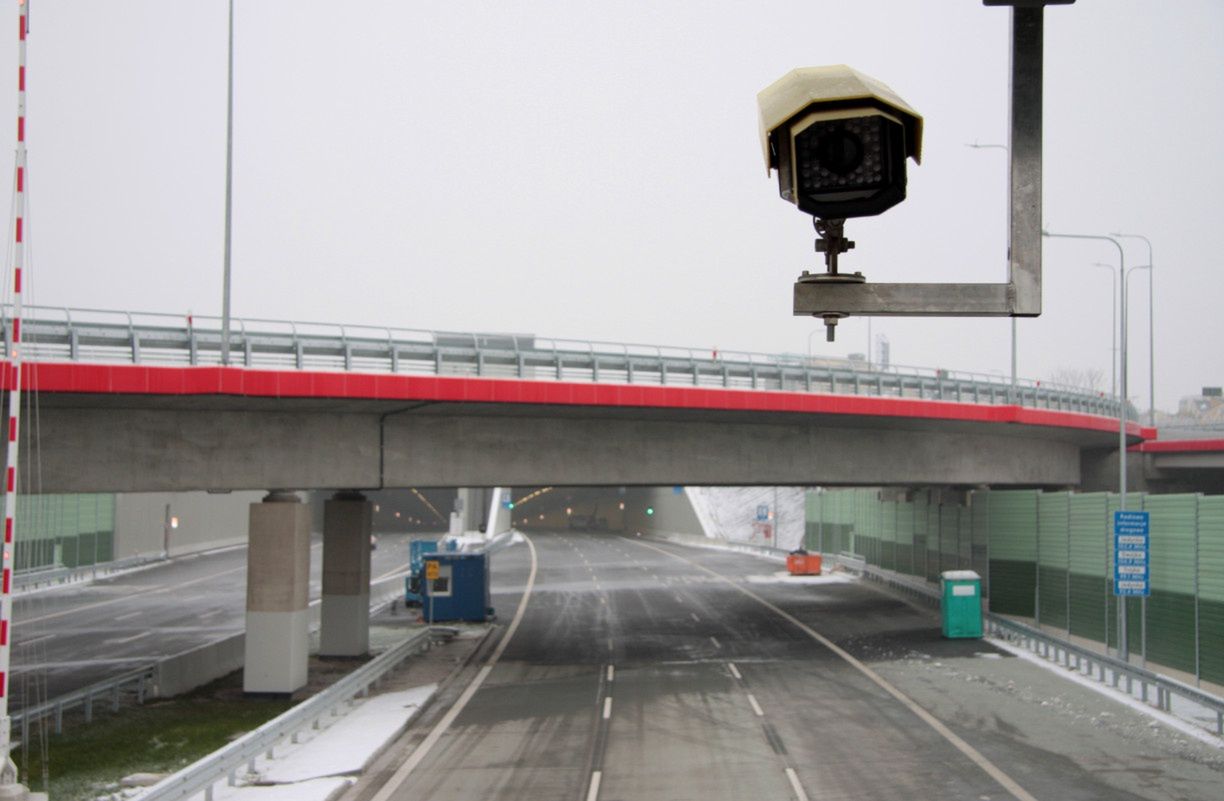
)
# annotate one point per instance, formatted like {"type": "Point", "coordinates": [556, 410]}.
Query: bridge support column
{"type": "Point", "coordinates": [345, 620]}
{"type": "Point", "coordinates": [278, 580]}
{"type": "Point", "coordinates": [467, 514]}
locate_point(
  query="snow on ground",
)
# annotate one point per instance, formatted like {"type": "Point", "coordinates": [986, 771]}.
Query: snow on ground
{"type": "Point", "coordinates": [347, 745]}
{"type": "Point", "coordinates": [314, 790]}
{"type": "Point", "coordinates": [318, 768]}
{"type": "Point", "coordinates": [782, 577]}
{"type": "Point", "coordinates": [1183, 708]}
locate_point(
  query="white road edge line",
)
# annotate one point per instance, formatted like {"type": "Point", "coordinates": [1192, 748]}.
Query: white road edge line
{"type": "Point", "coordinates": [795, 785]}
{"type": "Point", "coordinates": [421, 751]}
{"type": "Point", "coordinates": [755, 706]}
{"type": "Point", "coordinates": [607, 713]}
{"type": "Point", "coordinates": [735, 671]}
{"type": "Point", "coordinates": [992, 770]}
{"type": "Point", "coordinates": [593, 792]}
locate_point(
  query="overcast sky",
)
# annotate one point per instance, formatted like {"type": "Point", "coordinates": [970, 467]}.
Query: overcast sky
{"type": "Point", "coordinates": [592, 170]}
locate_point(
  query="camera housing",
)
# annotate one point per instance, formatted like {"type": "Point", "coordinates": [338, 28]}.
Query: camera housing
{"type": "Point", "coordinates": [839, 140]}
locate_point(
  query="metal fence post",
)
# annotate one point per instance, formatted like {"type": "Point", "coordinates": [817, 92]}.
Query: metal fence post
{"type": "Point", "coordinates": [1198, 643]}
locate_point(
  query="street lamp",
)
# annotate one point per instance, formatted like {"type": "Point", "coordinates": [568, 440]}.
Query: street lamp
{"type": "Point", "coordinates": [1123, 649]}
{"type": "Point", "coordinates": [229, 193]}
{"type": "Point", "coordinates": [1113, 327]}
{"type": "Point", "coordinates": [977, 146]}
{"type": "Point", "coordinates": [1151, 327]}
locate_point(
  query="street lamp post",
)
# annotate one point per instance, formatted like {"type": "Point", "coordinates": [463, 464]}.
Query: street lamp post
{"type": "Point", "coordinates": [1113, 326]}
{"type": "Point", "coordinates": [229, 193]}
{"type": "Point", "coordinates": [1151, 327]}
{"type": "Point", "coordinates": [1004, 148]}
{"type": "Point", "coordinates": [1123, 648]}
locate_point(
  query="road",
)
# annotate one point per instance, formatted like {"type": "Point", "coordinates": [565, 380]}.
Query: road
{"type": "Point", "coordinates": [73, 636]}
{"type": "Point", "coordinates": [644, 671]}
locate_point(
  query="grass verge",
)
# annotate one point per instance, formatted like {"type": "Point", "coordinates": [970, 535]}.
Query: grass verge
{"type": "Point", "coordinates": [88, 760]}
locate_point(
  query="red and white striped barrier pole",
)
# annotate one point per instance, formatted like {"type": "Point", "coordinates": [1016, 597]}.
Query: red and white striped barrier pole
{"type": "Point", "coordinates": [8, 769]}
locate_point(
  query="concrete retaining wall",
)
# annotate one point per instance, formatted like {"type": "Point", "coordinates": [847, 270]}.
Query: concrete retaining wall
{"type": "Point", "coordinates": [206, 520]}
{"type": "Point", "coordinates": [184, 672]}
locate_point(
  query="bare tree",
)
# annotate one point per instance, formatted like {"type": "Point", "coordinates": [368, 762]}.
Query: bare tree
{"type": "Point", "coordinates": [1084, 378]}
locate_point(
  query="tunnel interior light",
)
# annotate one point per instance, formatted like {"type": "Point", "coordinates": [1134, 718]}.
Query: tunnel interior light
{"type": "Point", "coordinates": [174, 522]}
{"type": "Point", "coordinates": [649, 510]}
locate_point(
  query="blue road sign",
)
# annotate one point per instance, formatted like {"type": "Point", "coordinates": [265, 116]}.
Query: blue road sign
{"type": "Point", "coordinates": [762, 512]}
{"type": "Point", "coordinates": [1132, 554]}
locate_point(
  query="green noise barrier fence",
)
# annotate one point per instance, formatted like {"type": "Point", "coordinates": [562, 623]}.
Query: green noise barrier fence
{"type": "Point", "coordinates": [1049, 556]}
{"type": "Point", "coordinates": [64, 530]}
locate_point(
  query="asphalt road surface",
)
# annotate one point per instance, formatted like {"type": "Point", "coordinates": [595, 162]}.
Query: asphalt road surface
{"type": "Point", "coordinates": [70, 637]}
{"type": "Point", "coordinates": [642, 671]}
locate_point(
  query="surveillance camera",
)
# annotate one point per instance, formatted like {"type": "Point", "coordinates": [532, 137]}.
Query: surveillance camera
{"type": "Point", "coordinates": [839, 140]}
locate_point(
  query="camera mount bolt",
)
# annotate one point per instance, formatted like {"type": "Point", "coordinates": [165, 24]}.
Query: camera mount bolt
{"type": "Point", "coordinates": [832, 242]}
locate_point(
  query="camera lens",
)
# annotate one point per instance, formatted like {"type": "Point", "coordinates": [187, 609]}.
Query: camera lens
{"type": "Point", "coordinates": [839, 151]}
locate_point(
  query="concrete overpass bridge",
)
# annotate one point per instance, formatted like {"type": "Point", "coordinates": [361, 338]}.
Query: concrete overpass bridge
{"type": "Point", "coordinates": [140, 403]}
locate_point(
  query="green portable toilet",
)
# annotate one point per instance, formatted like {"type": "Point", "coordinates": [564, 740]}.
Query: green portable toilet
{"type": "Point", "coordinates": [961, 604]}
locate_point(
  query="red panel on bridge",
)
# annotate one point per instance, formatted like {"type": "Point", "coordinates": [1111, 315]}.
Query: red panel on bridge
{"type": "Point", "coordinates": [241, 382]}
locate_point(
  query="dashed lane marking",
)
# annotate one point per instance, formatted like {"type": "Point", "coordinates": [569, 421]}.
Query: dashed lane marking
{"type": "Point", "coordinates": [611, 672]}
{"type": "Point", "coordinates": [607, 713]}
{"type": "Point", "coordinates": [795, 785]}
{"type": "Point", "coordinates": [717, 644]}
{"type": "Point", "coordinates": [593, 790]}
{"type": "Point", "coordinates": [992, 770]}
{"type": "Point", "coordinates": [735, 671]}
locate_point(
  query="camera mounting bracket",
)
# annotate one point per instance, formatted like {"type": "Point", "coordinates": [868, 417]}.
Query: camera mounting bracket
{"type": "Point", "coordinates": [1021, 295]}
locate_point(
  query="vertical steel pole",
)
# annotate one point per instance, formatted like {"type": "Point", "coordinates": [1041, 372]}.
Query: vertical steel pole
{"type": "Point", "coordinates": [8, 769]}
{"type": "Point", "coordinates": [1024, 149]}
{"type": "Point", "coordinates": [1123, 635]}
{"type": "Point", "coordinates": [229, 192]}
{"type": "Point", "coordinates": [1151, 326]}
{"type": "Point", "coordinates": [1123, 650]}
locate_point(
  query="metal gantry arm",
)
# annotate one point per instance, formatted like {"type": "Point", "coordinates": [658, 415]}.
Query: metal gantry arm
{"type": "Point", "coordinates": [1021, 295]}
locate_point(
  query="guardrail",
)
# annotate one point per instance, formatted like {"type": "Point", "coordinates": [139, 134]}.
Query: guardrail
{"type": "Point", "coordinates": [94, 335]}
{"type": "Point", "coordinates": [225, 763]}
{"type": "Point", "coordinates": [138, 681]}
{"type": "Point", "coordinates": [65, 575]}
{"type": "Point", "coordinates": [1084, 661]}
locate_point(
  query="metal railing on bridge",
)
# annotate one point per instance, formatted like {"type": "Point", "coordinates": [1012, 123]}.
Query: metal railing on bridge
{"type": "Point", "coordinates": [94, 335]}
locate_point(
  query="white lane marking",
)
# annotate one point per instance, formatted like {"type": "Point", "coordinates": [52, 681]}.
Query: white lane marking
{"type": "Point", "coordinates": [679, 600]}
{"type": "Point", "coordinates": [129, 615]}
{"type": "Point", "coordinates": [795, 785]}
{"type": "Point", "coordinates": [755, 706]}
{"type": "Point", "coordinates": [422, 750]}
{"type": "Point", "coordinates": [1007, 782]}
{"type": "Point", "coordinates": [735, 671]}
{"type": "Point", "coordinates": [593, 792]}
{"type": "Point", "coordinates": [603, 600]}
{"type": "Point", "coordinates": [402, 570]}
{"type": "Point", "coordinates": [20, 643]}
{"type": "Point", "coordinates": [693, 615]}
{"type": "Point", "coordinates": [151, 591]}
{"type": "Point", "coordinates": [607, 708]}
{"type": "Point", "coordinates": [717, 644]}
{"type": "Point", "coordinates": [611, 672]}
{"type": "Point", "coordinates": [133, 638]}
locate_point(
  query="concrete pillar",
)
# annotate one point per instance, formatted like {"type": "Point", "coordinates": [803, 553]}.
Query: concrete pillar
{"type": "Point", "coordinates": [278, 581]}
{"type": "Point", "coordinates": [345, 626]}
{"type": "Point", "coordinates": [469, 510]}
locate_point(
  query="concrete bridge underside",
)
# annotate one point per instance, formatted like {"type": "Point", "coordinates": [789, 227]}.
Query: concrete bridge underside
{"type": "Point", "coordinates": [142, 443]}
